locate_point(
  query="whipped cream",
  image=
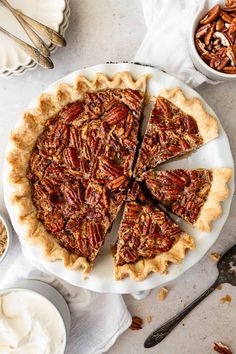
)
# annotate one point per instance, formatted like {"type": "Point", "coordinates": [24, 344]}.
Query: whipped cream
{"type": "Point", "coordinates": [30, 324]}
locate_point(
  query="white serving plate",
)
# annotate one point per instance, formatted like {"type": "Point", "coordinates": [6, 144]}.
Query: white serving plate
{"type": "Point", "coordinates": [55, 14]}
{"type": "Point", "coordinates": [215, 154]}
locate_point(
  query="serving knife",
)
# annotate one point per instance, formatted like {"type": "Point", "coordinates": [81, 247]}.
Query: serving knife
{"type": "Point", "coordinates": [227, 274]}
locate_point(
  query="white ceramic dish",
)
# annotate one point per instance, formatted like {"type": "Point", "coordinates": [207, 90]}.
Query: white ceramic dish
{"type": "Point", "coordinates": [197, 61]}
{"type": "Point", "coordinates": [51, 295]}
{"type": "Point", "coordinates": [55, 14]}
{"type": "Point", "coordinates": [214, 154]}
{"type": "Point", "coordinates": [9, 230]}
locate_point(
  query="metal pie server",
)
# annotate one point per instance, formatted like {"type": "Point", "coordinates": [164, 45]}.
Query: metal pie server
{"type": "Point", "coordinates": [227, 274]}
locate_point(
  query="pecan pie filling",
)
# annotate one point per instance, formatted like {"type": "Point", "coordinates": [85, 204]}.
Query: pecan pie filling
{"type": "Point", "coordinates": [183, 192]}
{"type": "Point", "coordinates": [145, 230]}
{"type": "Point", "coordinates": [81, 166]}
{"type": "Point", "coordinates": [170, 133]}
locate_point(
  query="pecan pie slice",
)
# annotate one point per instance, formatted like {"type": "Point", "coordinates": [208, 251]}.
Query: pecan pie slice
{"type": "Point", "coordinates": [72, 161]}
{"type": "Point", "coordinates": [177, 126]}
{"type": "Point", "coordinates": [193, 195]}
{"type": "Point", "coordinates": [148, 239]}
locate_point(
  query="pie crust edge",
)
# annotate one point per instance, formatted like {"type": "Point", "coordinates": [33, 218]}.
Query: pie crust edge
{"type": "Point", "coordinates": [22, 142]}
{"type": "Point", "coordinates": [212, 209]}
{"type": "Point", "coordinates": [207, 124]}
{"type": "Point", "coordinates": [140, 269]}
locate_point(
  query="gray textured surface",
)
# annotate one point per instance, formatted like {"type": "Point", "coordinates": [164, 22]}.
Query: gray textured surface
{"type": "Point", "coordinates": [109, 30]}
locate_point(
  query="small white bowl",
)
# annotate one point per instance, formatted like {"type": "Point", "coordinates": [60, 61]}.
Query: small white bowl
{"type": "Point", "coordinates": [9, 230]}
{"type": "Point", "coordinates": [50, 294]}
{"type": "Point", "coordinates": [197, 60]}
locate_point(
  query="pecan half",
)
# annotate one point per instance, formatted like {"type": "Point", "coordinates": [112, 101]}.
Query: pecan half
{"type": "Point", "coordinates": [220, 24]}
{"type": "Point", "coordinates": [95, 234]}
{"type": "Point", "coordinates": [221, 348]}
{"type": "Point", "coordinates": [209, 34]}
{"type": "Point", "coordinates": [229, 70]}
{"type": "Point", "coordinates": [200, 46]}
{"type": "Point", "coordinates": [202, 30]}
{"type": "Point", "coordinates": [225, 16]}
{"type": "Point", "coordinates": [71, 157]}
{"type": "Point", "coordinates": [136, 324]}
{"type": "Point", "coordinates": [117, 182]}
{"type": "Point", "coordinates": [230, 5]}
{"type": "Point", "coordinates": [116, 114]}
{"type": "Point", "coordinates": [211, 15]}
{"type": "Point", "coordinates": [72, 112]}
{"type": "Point", "coordinates": [232, 27]}
{"type": "Point", "coordinates": [231, 55]}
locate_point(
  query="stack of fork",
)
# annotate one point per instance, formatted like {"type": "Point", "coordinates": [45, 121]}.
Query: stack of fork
{"type": "Point", "coordinates": [35, 31]}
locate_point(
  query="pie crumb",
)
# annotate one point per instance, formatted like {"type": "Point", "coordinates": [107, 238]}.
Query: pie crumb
{"type": "Point", "coordinates": [222, 348]}
{"type": "Point", "coordinates": [215, 257]}
{"type": "Point", "coordinates": [85, 277]}
{"type": "Point", "coordinates": [226, 298]}
{"type": "Point", "coordinates": [162, 294]}
{"type": "Point", "coordinates": [219, 287]}
{"type": "Point", "coordinates": [149, 318]}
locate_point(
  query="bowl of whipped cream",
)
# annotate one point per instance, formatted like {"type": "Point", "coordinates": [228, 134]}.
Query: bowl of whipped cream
{"type": "Point", "coordinates": [34, 319]}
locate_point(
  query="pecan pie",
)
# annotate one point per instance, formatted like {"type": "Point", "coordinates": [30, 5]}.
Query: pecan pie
{"type": "Point", "coordinates": [193, 195]}
{"type": "Point", "coordinates": [148, 239]}
{"type": "Point", "coordinates": [72, 161]}
{"type": "Point", "coordinates": [177, 126]}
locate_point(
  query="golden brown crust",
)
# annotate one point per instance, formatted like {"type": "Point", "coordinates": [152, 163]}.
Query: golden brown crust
{"type": "Point", "coordinates": [212, 209]}
{"type": "Point", "coordinates": [140, 269]}
{"type": "Point", "coordinates": [23, 140]}
{"type": "Point", "coordinates": [207, 124]}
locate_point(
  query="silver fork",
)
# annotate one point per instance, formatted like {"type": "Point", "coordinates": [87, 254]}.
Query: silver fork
{"type": "Point", "coordinates": [34, 37]}
{"type": "Point", "coordinates": [31, 51]}
{"type": "Point", "coordinates": [53, 36]}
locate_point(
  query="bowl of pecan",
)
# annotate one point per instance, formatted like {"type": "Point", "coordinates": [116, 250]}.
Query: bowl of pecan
{"type": "Point", "coordinates": [213, 41]}
{"type": "Point", "coordinates": [5, 236]}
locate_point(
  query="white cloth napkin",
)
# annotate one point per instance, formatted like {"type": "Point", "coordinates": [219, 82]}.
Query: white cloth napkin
{"type": "Point", "coordinates": [165, 44]}
{"type": "Point", "coordinates": [97, 319]}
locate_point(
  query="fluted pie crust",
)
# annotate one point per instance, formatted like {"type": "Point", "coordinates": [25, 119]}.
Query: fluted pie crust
{"type": "Point", "coordinates": [219, 191]}
{"type": "Point", "coordinates": [23, 140]}
{"type": "Point", "coordinates": [140, 269]}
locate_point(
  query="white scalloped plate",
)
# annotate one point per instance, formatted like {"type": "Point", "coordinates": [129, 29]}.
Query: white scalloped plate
{"type": "Point", "coordinates": [217, 153]}
{"type": "Point", "coordinates": [55, 14]}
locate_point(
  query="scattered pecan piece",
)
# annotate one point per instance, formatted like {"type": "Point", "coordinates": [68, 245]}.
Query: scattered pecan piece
{"type": "Point", "coordinates": [211, 15]}
{"type": "Point", "coordinates": [226, 298]}
{"type": "Point", "coordinates": [162, 294]}
{"type": "Point", "coordinates": [215, 257]}
{"type": "Point", "coordinates": [137, 323]}
{"type": "Point", "coordinates": [221, 348]}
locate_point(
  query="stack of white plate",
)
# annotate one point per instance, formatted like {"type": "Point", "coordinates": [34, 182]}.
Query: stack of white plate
{"type": "Point", "coordinates": [54, 14]}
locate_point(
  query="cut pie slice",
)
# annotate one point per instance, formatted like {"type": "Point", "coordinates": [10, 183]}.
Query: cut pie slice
{"type": "Point", "coordinates": [177, 126]}
{"type": "Point", "coordinates": [148, 239]}
{"type": "Point", "coordinates": [72, 161]}
{"type": "Point", "coordinates": [193, 195]}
